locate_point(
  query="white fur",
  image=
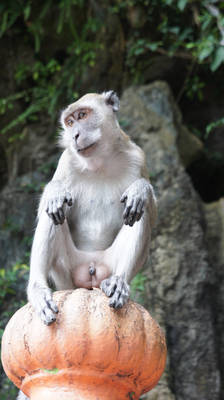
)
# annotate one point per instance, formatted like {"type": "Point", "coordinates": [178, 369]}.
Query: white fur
{"type": "Point", "coordinates": [94, 228]}
{"type": "Point", "coordinates": [22, 396]}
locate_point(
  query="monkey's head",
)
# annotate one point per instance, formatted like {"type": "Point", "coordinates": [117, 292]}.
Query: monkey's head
{"type": "Point", "coordinates": [90, 124]}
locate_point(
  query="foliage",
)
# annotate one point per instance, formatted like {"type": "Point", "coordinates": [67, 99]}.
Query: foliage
{"type": "Point", "coordinates": [9, 279]}
{"type": "Point", "coordinates": [215, 124]}
{"type": "Point", "coordinates": [51, 371]}
{"type": "Point", "coordinates": [10, 301]}
{"type": "Point", "coordinates": [44, 81]}
{"type": "Point", "coordinates": [192, 30]}
{"type": "Point", "coordinates": [138, 288]}
{"type": "Point", "coordinates": [10, 225]}
{"type": "Point", "coordinates": [8, 391]}
{"type": "Point", "coordinates": [194, 87]}
{"type": "Point", "coordinates": [183, 28]}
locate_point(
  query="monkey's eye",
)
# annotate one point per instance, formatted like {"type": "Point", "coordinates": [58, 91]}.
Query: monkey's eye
{"type": "Point", "coordinates": [81, 115]}
{"type": "Point", "coordinates": [70, 122]}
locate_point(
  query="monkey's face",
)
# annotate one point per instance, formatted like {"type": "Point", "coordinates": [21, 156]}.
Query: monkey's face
{"type": "Point", "coordinates": [87, 124]}
{"type": "Point", "coordinates": [83, 125]}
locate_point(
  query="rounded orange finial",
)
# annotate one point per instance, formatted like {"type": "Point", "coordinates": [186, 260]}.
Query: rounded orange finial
{"type": "Point", "coordinates": [92, 351]}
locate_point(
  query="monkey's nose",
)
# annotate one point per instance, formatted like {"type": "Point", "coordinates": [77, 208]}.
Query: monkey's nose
{"type": "Point", "coordinates": [77, 136]}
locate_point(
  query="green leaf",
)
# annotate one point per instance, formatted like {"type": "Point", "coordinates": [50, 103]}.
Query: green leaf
{"type": "Point", "coordinates": [218, 59]}
{"type": "Point", "coordinates": [139, 51]}
{"type": "Point", "coordinates": [182, 4]}
{"type": "Point", "coordinates": [175, 30]}
{"type": "Point", "coordinates": [206, 22]}
{"type": "Point", "coordinates": [204, 53]}
{"type": "Point", "coordinates": [21, 118]}
{"type": "Point", "coordinates": [27, 11]}
{"type": "Point", "coordinates": [186, 33]}
{"type": "Point", "coordinates": [213, 125]}
{"type": "Point", "coordinates": [60, 22]}
{"type": "Point", "coordinates": [152, 46]}
{"type": "Point", "coordinates": [4, 22]}
{"type": "Point", "coordinates": [190, 45]}
{"type": "Point", "coordinates": [51, 371]}
{"type": "Point", "coordinates": [2, 273]}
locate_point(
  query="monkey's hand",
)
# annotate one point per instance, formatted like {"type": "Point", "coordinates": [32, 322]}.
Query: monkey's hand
{"type": "Point", "coordinates": [135, 198]}
{"type": "Point", "coordinates": [117, 289]}
{"type": "Point", "coordinates": [41, 300]}
{"type": "Point", "coordinates": [55, 207]}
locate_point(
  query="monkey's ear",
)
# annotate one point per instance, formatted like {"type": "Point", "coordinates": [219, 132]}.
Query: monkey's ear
{"type": "Point", "coordinates": [112, 99]}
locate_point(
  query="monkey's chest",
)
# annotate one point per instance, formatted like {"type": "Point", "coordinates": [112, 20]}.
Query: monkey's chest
{"type": "Point", "coordinates": [95, 219]}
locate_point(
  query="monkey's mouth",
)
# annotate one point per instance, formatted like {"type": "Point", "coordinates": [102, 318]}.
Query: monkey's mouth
{"type": "Point", "coordinates": [84, 150]}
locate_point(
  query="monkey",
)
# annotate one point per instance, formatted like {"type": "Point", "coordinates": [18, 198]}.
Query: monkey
{"type": "Point", "coordinates": [96, 214]}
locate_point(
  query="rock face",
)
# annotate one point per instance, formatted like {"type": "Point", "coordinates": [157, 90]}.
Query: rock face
{"type": "Point", "coordinates": [18, 206]}
{"type": "Point", "coordinates": [178, 272]}
{"type": "Point", "coordinates": [214, 214]}
{"type": "Point", "coordinates": [16, 224]}
{"type": "Point", "coordinates": [185, 269]}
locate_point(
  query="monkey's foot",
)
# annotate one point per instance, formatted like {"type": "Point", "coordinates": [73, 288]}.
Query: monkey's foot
{"type": "Point", "coordinates": [117, 289]}
{"type": "Point", "coordinates": [41, 300]}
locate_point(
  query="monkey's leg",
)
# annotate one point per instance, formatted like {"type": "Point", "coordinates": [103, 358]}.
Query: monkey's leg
{"type": "Point", "coordinates": [126, 256]}
{"type": "Point", "coordinates": [48, 246]}
{"type": "Point", "coordinates": [66, 257]}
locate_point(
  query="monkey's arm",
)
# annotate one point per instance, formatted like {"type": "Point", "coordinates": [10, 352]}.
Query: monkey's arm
{"type": "Point", "coordinates": [140, 193]}
{"type": "Point", "coordinates": [130, 248]}
{"type": "Point", "coordinates": [39, 293]}
{"type": "Point", "coordinates": [126, 256]}
{"type": "Point", "coordinates": [56, 194]}
{"type": "Point", "coordinates": [45, 243]}
{"type": "Point", "coordinates": [55, 198]}
{"type": "Point", "coordinates": [136, 197]}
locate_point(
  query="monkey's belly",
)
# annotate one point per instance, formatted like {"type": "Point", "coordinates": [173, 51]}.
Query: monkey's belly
{"type": "Point", "coordinates": [85, 277]}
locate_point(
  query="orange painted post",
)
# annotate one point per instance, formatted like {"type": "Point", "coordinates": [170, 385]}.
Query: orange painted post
{"type": "Point", "coordinates": [91, 352]}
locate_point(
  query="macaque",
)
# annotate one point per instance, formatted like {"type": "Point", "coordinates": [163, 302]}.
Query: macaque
{"type": "Point", "coordinates": [96, 214]}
